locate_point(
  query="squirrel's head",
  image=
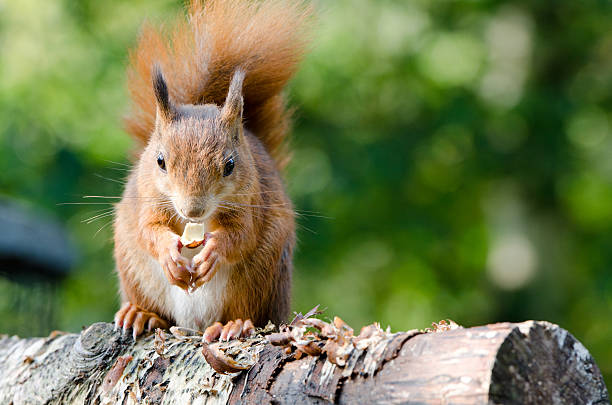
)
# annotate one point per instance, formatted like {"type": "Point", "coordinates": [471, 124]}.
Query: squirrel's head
{"type": "Point", "coordinates": [198, 153]}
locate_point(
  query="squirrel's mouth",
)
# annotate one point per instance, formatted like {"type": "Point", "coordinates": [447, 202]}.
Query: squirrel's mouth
{"type": "Point", "coordinates": [199, 213]}
{"type": "Point", "coordinates": [199, 219]}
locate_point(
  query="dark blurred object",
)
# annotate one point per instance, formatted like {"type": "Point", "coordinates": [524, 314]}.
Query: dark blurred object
{"type": "Point", "coordinates": [35, 256]}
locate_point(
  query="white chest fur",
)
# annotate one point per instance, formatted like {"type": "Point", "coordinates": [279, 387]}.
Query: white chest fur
{"type": "Point", "coordinates": [198, 309]}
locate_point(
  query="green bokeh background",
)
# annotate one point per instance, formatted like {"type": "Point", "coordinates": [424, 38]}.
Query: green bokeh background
{"type": "Point", "coordinates": [453, 159]}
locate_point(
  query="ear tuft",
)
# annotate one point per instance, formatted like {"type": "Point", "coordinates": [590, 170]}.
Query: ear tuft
{"type": "Point", "coordinates": [232, 109]}
{"type": "Point", "coordinates": [160, 88]}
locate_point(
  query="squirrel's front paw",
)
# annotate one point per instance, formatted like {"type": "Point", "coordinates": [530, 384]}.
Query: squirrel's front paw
{"type": "Point", "coordinates": [205, 263]}
{"type": "Point", "coordinates": [175, 266]}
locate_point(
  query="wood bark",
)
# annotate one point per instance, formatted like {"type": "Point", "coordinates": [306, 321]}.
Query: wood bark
{"type": "Point", "coordinates": [505, 363]}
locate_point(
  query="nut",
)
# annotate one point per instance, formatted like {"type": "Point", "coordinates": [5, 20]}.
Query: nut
{"type": "Point", "coordinates": [193, 235]}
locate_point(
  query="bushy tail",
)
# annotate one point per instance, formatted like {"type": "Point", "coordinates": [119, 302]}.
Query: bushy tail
{"type": "Point", "coordinates": [266, 38]}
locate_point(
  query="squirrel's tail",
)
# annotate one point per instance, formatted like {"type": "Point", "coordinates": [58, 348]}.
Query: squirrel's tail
{"type": "Point", "coordinates": [266, 38]}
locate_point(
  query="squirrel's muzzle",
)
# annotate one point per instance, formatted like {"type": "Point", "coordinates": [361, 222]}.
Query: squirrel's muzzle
{"type": "Point", "coordinates": [192, 207]}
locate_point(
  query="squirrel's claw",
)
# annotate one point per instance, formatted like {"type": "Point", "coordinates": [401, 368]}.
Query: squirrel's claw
{"type": "Point", "coordinates": [180, 261]}
{"type": "Point", "coordinates": [156, 322]}
{"type": "Point", "coordinates": [120, 315]}
{"type": "Point", "coordinates": [128, 319]}
{"type": "Point", "coordinates": [134, 317]}
{"type": "Point", "coordinates": [231, 330]}
{"type": "Point", "coordinates": [213, 332]}
{"type": "Point", "coordinates": [177, 276]}
{"type": "Point", "coordinates": [139, 324]}
{"type": "Point", "coordinates": [205, 264]}
{"type": "Point", "coordinates": [205, 273]}
{"type": "Point", "coordinates": [176, 271]}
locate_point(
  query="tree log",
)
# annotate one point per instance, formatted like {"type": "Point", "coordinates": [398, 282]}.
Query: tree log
{"type": "Point", "coordinates": [505, 363]}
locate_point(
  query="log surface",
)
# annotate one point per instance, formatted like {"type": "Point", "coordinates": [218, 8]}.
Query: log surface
{"type": "Point", "coordinates": [505, 363]}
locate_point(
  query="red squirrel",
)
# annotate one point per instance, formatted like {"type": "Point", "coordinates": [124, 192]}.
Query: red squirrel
{"type": "Point", "coordinates": [209, 112]}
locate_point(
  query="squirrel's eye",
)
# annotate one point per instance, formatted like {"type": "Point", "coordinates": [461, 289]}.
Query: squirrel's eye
{"type": "Point", "coordinates": [161, 162]}
{"type": "Point", "coordinates": [229, 167]}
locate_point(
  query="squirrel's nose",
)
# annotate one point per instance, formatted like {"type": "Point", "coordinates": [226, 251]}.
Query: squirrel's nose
{"type": "Point", "coordinates": [192, 211]}
{"type": "Point", "coordinates": [192, 206]}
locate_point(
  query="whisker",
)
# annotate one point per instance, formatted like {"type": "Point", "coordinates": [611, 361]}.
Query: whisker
{"type": "Point", "coordinates": [86, 203]}
{"type": "Point", "coordinates": [97, 217]}
{"type": "Point", "coordinates": [256, 205]}
{"type": "Point", "coordinates": [109, 179]}
{"type": "Point", "coordinates": [102, 227]}
{"type": "Point", "coordinates": [255, 193]}
{"type": "Point", "coordinates": [163, 198]}
{"type": "Point", "coordinates": [303, 213]}
{"type": "Point", "coordinates": [121, 197]}
{"type": "Point", "coordinates": [117, 163]}
{"type": "Point", "coordinates": [261, 217]}
{"type": "Point", "coordinates": [306, 228]}
{"type": "Point", "coordinates": [100, 210]}
{"type": "Point", "coordinates": [300, 213]}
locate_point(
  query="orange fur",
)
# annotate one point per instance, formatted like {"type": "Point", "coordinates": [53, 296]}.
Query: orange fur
{"type": "Point", "coordinates": [265, 38]}
{"type": "Point", "coordinates": [188, 114]}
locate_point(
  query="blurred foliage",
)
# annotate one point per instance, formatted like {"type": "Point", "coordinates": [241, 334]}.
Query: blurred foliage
{"type": "Point", "coordinates": [452, 159]}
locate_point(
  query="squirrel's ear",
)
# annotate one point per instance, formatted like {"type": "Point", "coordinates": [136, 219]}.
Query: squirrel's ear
{"type": "Point", "coordinates": [231, 114]}
{"type": "Point", "coordinates": [165, 109]}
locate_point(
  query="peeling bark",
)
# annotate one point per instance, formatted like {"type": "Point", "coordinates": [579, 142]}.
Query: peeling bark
{"type": "Point", "coordinates": [529, 362]}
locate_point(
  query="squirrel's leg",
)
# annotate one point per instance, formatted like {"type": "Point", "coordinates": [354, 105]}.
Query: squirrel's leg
{"type": "Point", "coordinates": [231, 330]}
{"type": "Point", "coordinates": [135, 317]}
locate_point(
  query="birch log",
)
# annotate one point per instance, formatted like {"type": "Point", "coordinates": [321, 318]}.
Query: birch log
{"type": "Point", "coordinates": [505, 363]}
